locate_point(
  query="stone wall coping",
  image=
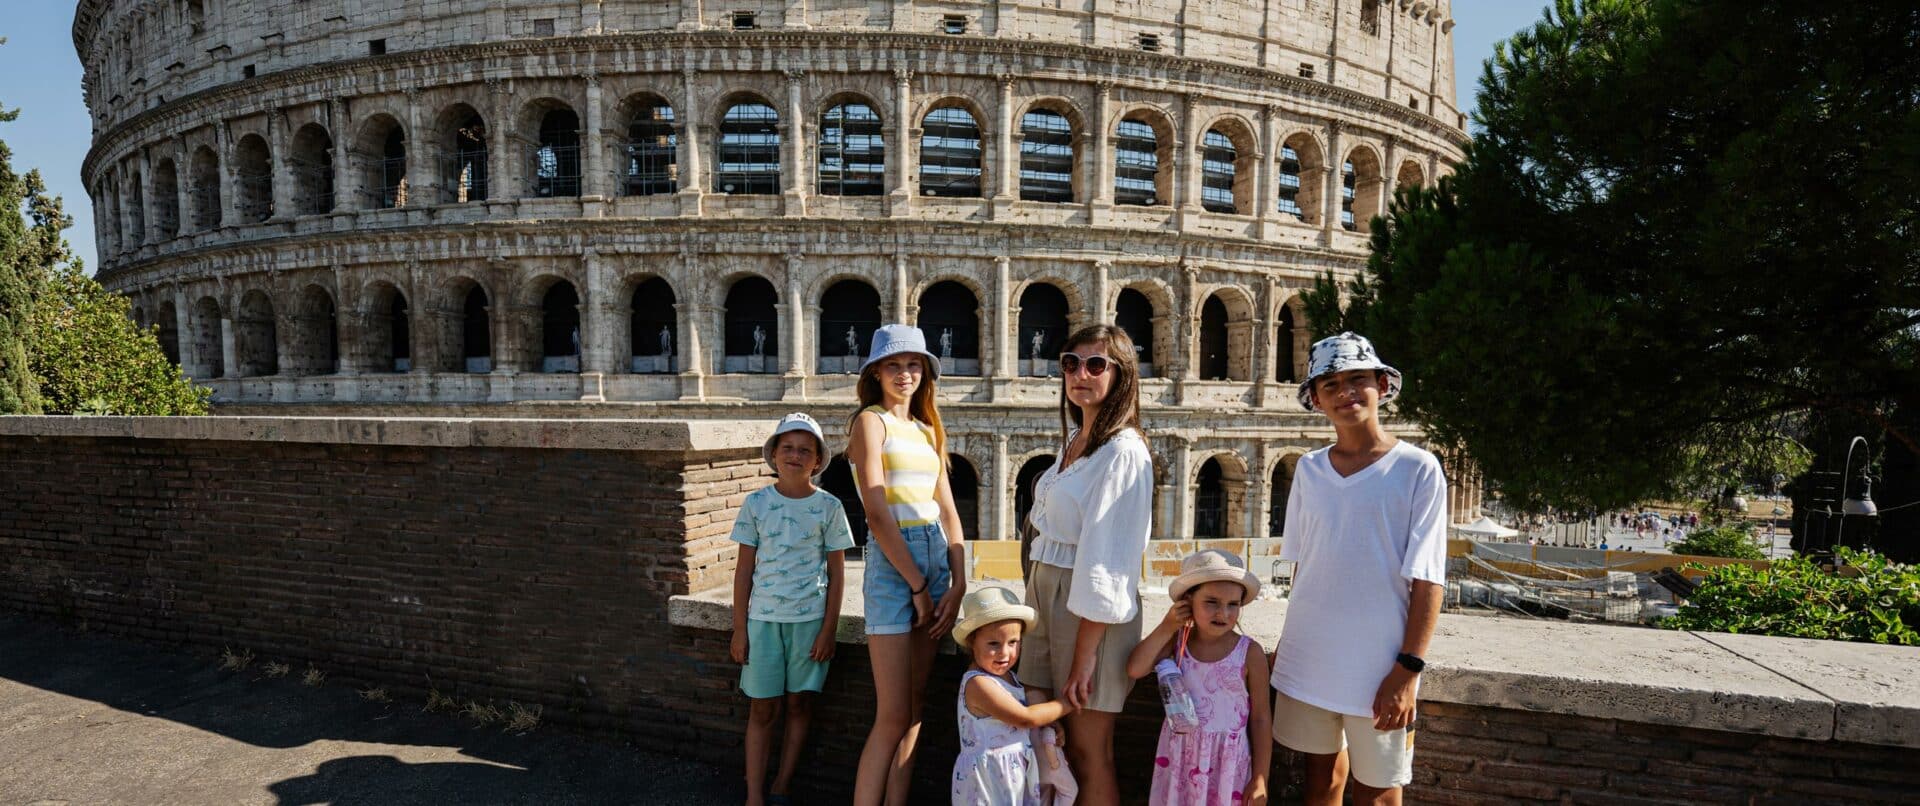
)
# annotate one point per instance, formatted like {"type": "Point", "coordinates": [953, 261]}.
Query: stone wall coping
{"type": "Point", "coordinates": [1788, 687]}
{"type": "Point", "coordinates": [664, 435]}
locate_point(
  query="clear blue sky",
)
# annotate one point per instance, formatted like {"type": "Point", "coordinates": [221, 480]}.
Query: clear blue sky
{"type": "Point", "coordinates": [40, 76]}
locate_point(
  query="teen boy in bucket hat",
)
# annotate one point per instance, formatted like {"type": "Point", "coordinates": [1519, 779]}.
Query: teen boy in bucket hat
{"type": "Point", "coordinates": [1366, 529]}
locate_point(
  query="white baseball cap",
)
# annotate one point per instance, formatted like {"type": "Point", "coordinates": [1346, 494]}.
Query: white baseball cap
{"type": "Point", "coordinates": [797, 421]}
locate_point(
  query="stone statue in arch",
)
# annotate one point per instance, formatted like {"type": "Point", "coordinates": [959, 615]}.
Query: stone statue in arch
{"type": "Point", "coordinates": [1039, 336]}
{"type": "Point", "coordinates": [946, 342]}
{"type": "Point", "coordinates": [759, 341]}
{"type": "Point", "coordinates": [575, 338]}
{"type": "Point", "coordinates": [666, 341]}
{"type": "Point", "coordinates": [853, 342]}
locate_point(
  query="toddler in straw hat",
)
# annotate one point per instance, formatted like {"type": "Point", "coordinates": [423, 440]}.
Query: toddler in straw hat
{"type": "Point", "coordinates": [998, 764]}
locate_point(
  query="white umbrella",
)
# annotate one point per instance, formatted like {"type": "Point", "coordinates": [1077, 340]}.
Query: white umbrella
{"type": "Point", "coordinates": [1485, 527]}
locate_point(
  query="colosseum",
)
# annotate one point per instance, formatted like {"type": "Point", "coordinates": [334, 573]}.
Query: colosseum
{"type": "Point", "coordinates": [688, 209]}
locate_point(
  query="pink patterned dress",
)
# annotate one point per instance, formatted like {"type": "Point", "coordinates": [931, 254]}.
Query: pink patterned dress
{"type": "Point", "coordinates": [1212, 765]}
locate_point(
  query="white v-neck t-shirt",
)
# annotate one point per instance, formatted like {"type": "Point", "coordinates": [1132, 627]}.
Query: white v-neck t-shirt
{"type": "Point", "coordinates": [1357, 542]}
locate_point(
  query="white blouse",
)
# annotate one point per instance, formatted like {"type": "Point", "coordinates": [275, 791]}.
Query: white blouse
{"type": "Point", "coordinates": [1093, 519]}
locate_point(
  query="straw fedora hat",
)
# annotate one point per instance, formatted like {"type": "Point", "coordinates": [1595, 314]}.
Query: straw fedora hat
{"type": "Point", "coordinates": [984, 606]}
{"type": "Point", "coordinates": [1212, 565]}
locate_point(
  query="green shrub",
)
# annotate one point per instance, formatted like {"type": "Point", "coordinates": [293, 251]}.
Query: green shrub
{"type": "Point", "coordinates": [92, 359]}
{"type": "Point", "coordinates": [1874, 601]}
{"type": "Point", "coordinates": [1720, 540]}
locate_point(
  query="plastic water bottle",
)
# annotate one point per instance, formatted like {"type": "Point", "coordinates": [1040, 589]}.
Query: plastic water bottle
{"type": "Point", "coordinates": [1174, 698]}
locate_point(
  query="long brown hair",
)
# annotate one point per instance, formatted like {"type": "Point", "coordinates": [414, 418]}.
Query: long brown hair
{"type": "Point", "coordinates": [1121, 409]}
{"type": "Point", "coordinates": [923, 406]}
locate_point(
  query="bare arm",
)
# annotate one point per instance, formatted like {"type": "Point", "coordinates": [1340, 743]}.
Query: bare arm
{"type": "Point", "coordinates": [1393, 703]}
{"type": "Point", "coordinates": [1259, 722]}
{"type": "Point", "coordinates": [948, 608]}
{"type": "Point", "coordinates": [990, 698]}
{"type": "Point", "coordinates": [863, 448]}
{"type": "Point", "coordinates": [826, 642]}
{"type": "Point", "coordinates": [1158, 645]}
{"type": "Point", "coordinates": [742, 598]}
{"type": "Point", "coordinates": [1423, 612]}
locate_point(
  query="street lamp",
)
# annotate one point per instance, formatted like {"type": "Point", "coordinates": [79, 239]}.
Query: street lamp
{"type": "Point", "coordinates": [1852, 506]}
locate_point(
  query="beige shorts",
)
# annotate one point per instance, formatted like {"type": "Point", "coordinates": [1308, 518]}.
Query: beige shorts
{"type": "Point", "coordinates": [1379, 760]}
{"type": "Point", "coordinates": [1046, 654]}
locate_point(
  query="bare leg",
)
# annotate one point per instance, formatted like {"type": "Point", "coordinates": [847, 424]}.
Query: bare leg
{"type": "Point", "coordinates": [891, 657]}
{"type": "Point", "coordinates": [1326, 778]}
{"type": "Point", "coordinates": [1363, 794]}
{"type": "Point", "coordinates": [799, 719]}
{"type": "Point", "coordinates": [760, 719]}
{"type": "Point", "coordinates": [900, 778]}
{"type": "Point", "coordinates": [1090, 753]}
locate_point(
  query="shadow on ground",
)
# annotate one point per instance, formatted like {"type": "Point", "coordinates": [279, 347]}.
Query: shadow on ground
{"type": "Point", "coordinates": [90, 719]}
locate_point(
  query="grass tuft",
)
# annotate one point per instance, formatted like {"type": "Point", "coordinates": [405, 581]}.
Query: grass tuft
{"type": "Point", "coordinates": [520, 718]}
{"type": "Point", "coordinates": [482, 714]}
{"type": "Point", "coordinates": [277, 669]}
{"type": "Point", "coordinates": [437, 701]}
{"type": "Point", "coordinates": [235, 661]}
{"type": "Point", "coordinates": [313, 677]}
{"type": "Point", "coordinates": [375, 694]}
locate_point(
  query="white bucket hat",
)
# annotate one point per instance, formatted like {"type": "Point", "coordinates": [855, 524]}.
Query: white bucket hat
{"type": "Point", "coordinates": [796, 421]}
{"type": "Point", "coordinates": [897, 339]}
{"type": "Point", "coordinates": [989, 605]}
{"type": "Point", "coordinates": [1213, 565]}
{"type": "Point", "coordinates": [1347, 351]}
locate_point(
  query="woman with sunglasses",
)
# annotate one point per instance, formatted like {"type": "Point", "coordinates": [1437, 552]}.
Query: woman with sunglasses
{"type": "Point", "coordinates": [1092, 510]}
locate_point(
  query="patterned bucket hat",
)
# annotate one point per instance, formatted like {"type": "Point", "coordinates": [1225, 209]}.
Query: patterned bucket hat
{"type": "Point", "coordinates": [896, 339]}
{"type": "Point", "coordinates": [797, 421]}
{"type": "Point", "coordinates": [1347, 351]}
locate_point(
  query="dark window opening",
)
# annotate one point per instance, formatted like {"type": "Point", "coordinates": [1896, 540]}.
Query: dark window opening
{"type": "Point", "coordinates": [1218, 168]}
{"type": "Point", "coordinates": [749, 150]}
{"type": "Point", "coordinates": [1136, 163]}
{"type": "Point", "coordinates": [376, 47]}
{"type": "Point", "coordinates": [1046, 157]}
{"type": "Point", "coordinates": [651, 152]}
{"type": "Point", "coordinates": [852, 154]}
{"type": "Point", "coordinates": [950, 153]}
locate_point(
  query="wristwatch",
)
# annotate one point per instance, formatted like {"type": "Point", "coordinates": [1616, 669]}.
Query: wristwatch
{"type": "Point", "coordinates": [1411, 663]}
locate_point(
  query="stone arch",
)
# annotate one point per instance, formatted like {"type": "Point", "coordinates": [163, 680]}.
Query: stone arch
{"type": "Point", "coordinates": [1052, 134]}
{"type": "Point", "coordinates": [849, 313]}
{"type": "Point", "coordinates": [1360, 186]}
{"type": "Point", "coordinates": [166, 198]}
{"type": "Point", "coordinates": [256, 343]}
{"type": "Point", "coordinates": [553, 155]}
{"type": "Point", "coordinates": [388, 339]}
{"type": "Point", "coordinates": [1300, 167]}
{"type": "Point", "coordinates": [950, 321]}
{"type": "Point", "coordinates": [1028, 471]}
{"type": "Point", "coordinates": [1292, 341]}
{"type": "Point", "coordinates": [1410, 175]}
{"type": "Point", "coordinates": [461, 136]}
{"type": "Point", "coordinates": [467, 331]}
{"type": "Point", "coordinates": [1144, 141]}
{"type": "Point", "coordinates": [1045, 317]}
{"type": "Point", "coordinates": [747, 145]}
{"type": "Point", "coordinates": [167, 319]}
{"type": "Point", "coordinates": [651, 327]}
{"type": "Point", "coordinates": [850, 149]}
{"type": "Point", "coordinates": [953, 149]}
{"type": "Point", "coordinates": [136, 210]}
{"type": "Point", "coordinates": [1219, 485]}
{"type": "Point", "coordinates": [206, 327]}
{"type": "Point", "coordinates": [311, 165]}
{"type": "Point", "coordinates": [204, 189]}
{"type": "Point", "coordinates": [1141, 308]}
{"type": "Point", "coordinates": [1229, 166]}
{"type": "Point", "coordinates": [1225, 336]}
{"type": "Point", "coordinates": [837, 480]}
{"type": "Point", "coordinates": [751, 337]}
{"type": "Point", "coordinates": [651, 158]}
{"type": "Point", "coordinates": [963, 478]}
{"type": "Point", "coordinates": [313, 340]}
{"type": "Point", "coordinates": [253, 178]}
{"type": "Point", "coordinates": [381, 153]}
{"type": "Point", "coordinates": [555, 338]}
{"type": "Point", "coordinates": [1279, 484]}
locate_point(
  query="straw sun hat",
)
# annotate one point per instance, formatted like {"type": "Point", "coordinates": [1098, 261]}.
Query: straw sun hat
{"type": "Point", "coordinates": [1212, 565]}
{"type": "Point", "coordinates": [988, 605]}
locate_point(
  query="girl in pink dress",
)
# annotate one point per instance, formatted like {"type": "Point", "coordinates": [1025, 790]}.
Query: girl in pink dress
{"type": "Point", "coordinates": [1224, 761]}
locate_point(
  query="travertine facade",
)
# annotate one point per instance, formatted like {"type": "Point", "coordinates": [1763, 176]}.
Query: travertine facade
{"type": "Point", "coordinates": [460, 205]}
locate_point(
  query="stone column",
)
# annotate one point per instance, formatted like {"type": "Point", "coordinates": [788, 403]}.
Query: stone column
{"type": "Point", "coordinates": [1183, 321]}
{"type": "Point", "coordinates": [345, 158]}
{"type": "Point", "coordinates": [1265, 194]}
{"type": "Point", "coordinates": [795, 139]}
{"type": "Point", "coordinates": [901, 304]}
{"type": "Point", "coordinates": [902, 151]}
{"type": "Point", "coordinates": [280, 163]}
{"type": "Point", "coordinates": [1007, 182]}
{"type": "Point", "coordinates": [1264, 351]}
{"type": "Point", "coordinates": [150, 224]}
{"type": "Point", "coordinates": [423, 179]}
{"type": "Point", "coordinates": [1389, 176]}
{"type": "Point", "coordinates": [795, 320]}
{"type": "Point", "coordinates": [1003, 325]}
{"type": "Point", "coordinates": [1261, 500]}
{"type": "Point", "coordinates": [501, 185]}
{"type": "Point", "coordinates": [1330, 184]}
{"type": "Point", "coordinates": [594, 163]}
{"type": "Point", "coordinates": [1003, 525]}
{"type": "Point", "coordinates": [183, 191]}
{"type": "Point", "coordinates": [687, 152]}
{"type": "Point", "coordinates": [191, 362]}
{"type": "Point", "coordinates": [1101, 308]}
{"type": "Point", "coordinates": [598, 352]}
{"type": "Point", "coordinates": [1183, 488]}
{"type": "Point", "coordinates": [690, 319]}
{"type": "Point", "coordinates": [1100, 200]}
{"type": "Point", "coordinates": [229, 200]}
{"type": "Point", "coordinates": [229, 351]}
{"type": "Point", "coordinates": [1187, 164]}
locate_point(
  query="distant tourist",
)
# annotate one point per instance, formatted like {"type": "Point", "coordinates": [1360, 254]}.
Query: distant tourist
{"type": "Point", "coordinates": [1091, 511]}
{"type": "Point", "coordinates": [898, 450]}
{"type": "Point", "coordinates": [1367, 529]}
{"type": "Point", "coordinates": [793, 539]}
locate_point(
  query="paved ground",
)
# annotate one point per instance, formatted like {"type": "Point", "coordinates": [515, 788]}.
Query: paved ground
{"type": "Point", "coordinates": [87, 719]}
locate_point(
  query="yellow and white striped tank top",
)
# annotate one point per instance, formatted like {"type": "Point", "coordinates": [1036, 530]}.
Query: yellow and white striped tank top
{"type": "Point", "coordinates": [912, 470]}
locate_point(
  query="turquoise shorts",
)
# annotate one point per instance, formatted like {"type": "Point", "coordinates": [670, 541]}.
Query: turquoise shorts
{"type": "Point", "coordinates": [778, 659]}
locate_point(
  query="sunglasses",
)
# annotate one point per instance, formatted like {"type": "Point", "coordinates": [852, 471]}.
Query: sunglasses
{"type": "Point", "coordinates": [1096, 364]}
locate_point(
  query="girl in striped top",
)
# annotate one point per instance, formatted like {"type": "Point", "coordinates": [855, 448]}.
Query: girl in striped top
{"type": "Point", "coordinates": [898, 450]}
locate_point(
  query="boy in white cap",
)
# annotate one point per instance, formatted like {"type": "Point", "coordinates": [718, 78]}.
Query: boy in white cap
{"type": "Point", "coordinates": [786, 597]}
{"type": "Point", "coordinates": [1366, 528]}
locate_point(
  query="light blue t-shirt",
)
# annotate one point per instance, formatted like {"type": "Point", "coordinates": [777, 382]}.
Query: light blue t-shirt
{"type": "Point", "coordinates": [791, 537]}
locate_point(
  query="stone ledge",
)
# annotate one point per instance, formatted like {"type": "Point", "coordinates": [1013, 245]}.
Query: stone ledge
{"type": "Point", "coordinates": [674, 436]}
{"type": "Point", "coordinates": [1787, 687]}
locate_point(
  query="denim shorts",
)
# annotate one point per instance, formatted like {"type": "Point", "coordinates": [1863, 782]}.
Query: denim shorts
{"type": "Point", "coordinates": [888, 598]}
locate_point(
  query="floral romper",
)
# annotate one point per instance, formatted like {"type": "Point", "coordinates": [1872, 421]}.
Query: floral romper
{"type": "Point", "coordinates": [996, 766]}
{"type": "Point", "coordinates": [1212, 765]}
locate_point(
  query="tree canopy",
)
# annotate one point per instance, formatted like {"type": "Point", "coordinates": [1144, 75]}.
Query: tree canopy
{"type": "Point", "coordinates": [1681, 229]}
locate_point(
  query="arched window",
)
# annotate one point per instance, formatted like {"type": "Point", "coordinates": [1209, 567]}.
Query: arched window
{"type": "Point", "coordinates": [752, 327]}
{"type": "Point", "coordinates": [209, 355]}
{"type": "Point", "coordinates": [1046, 157]}
{"type": "Point", "coordinates": [849, 313]}
{"type": "Point", "coordinates": [1348, 179]}
{"type": "Point", "coordinates": [1136, 164]}
{"type": "Point", "coordinates": [166, 199]}
{"type": "Point", "coordinates": [1410, 175]}
{"type": "Point", "coordinates": [1277, 490]}
{"type": "Point", "coordinates": [556, 158]}
{"type": "Point", "coordinates": [205, 189]}
{"type": "Point", "coordinates": [1209, 503]}
{"type": "Point", "coordinates": [1133, 312]}
{"type": "Point", "coordinates": [749, 150]}
{"type": "Point", "coordinates": [1298, 194]}
{"type": "Point", "coordinates": [136, 211]}
{"type": "Point", "coordinates": [560, 329]}
{"type": "Point", "coordinates": [951, 153]}
{"type": "Point", "coordinates": [652, 151]}
{"type": "Point", "coordinates": [169, 323]}
{"type": "Point", "coordinates": [389, 332]}
{"type": "Point", "coordinates": [1213, 340]}
{"type": "Point", "coordinates": [950, 322]}
{"type": "Point", "coordinates": [383, 153]}
{"type": "Point", "coordinates": [254, 179]}
{"type": "Point", "coordinates": [316, 334]}
{"type": "Point", "coordinates": [1219, 169]}
{"type": "Point", "coordinates": [1283, 351]}
{"type": "Point", "coordinates": [256, 341]}
{"type": "Point", "coordinates": [476, 331]}
{"type": "Point", "coordinates": [837, 480]}
{"type": "Point", "coordinates": [463, 162]}
{"type": "Point", "coordinates": [1043, 328]}
{"type": "Point", "coordinates": [853, 157]}
{"type": "Point", "coordinates": [1362, 183]}
{"type": "Point", "coordinates": [965, 483]}
{"type": "Point", "coordinates": [654, 331]}
{"type": "Point", "coordinates": [312, 167]}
